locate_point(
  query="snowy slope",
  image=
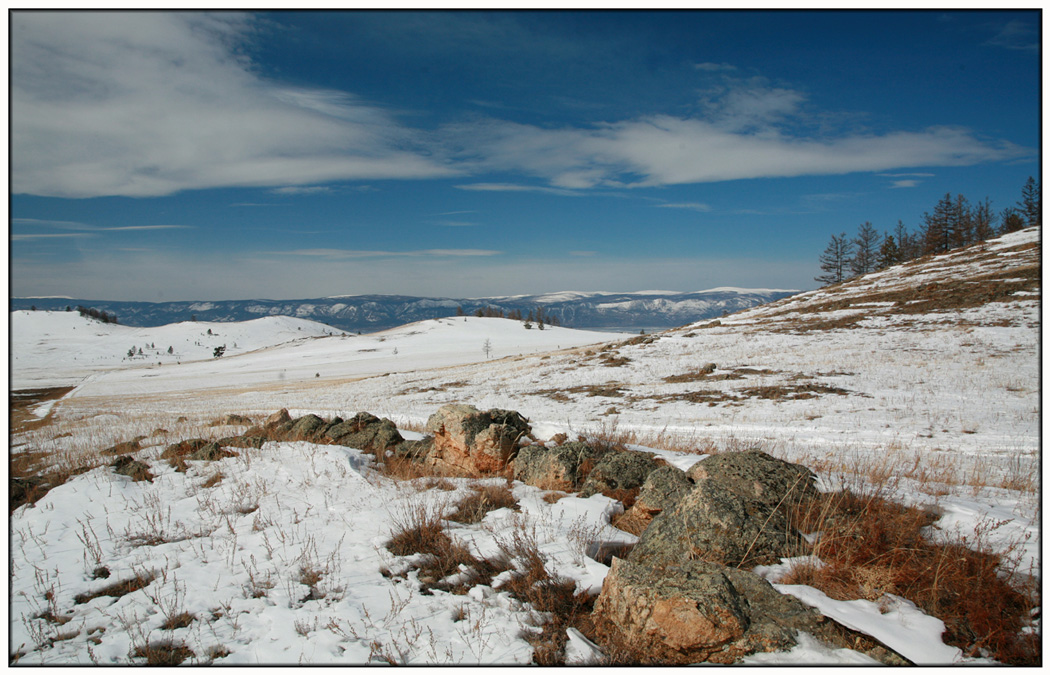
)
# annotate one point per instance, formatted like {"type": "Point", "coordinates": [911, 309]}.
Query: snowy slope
{"type": "Point", "coordinates": [62, 348]}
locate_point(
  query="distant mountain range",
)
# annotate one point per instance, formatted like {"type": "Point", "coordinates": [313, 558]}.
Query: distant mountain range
{"type": "Point", "coordinates": [649, 310]}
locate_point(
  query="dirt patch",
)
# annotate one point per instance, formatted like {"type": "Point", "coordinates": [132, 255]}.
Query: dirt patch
{"type": "Point", "coordinates": [22, 404]}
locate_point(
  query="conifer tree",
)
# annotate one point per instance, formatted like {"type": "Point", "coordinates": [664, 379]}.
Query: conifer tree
{"type": "Point", "coordinates": [1030, 205]}
{"type": "Point", "coordinates": [983, 220]}
{"type": "Point", "coordinates": [889, 253]}
{"type": "Point", "coordinates": [836, 260]}
{"type": "Point", "coordinates": [865, 257]}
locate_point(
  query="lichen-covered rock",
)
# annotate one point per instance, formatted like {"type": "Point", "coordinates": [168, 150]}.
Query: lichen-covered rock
{"type": "Point", "coordinates": [134, 469]}
{"type": "Point", "coordinates": [210, 453]}
{"type": "Point", "coordinates": [713, 523]}
{"type": "Point", "coordinates": [470, 442]}
{"type": "Point", "coordinates": [662, 490]}
{"type": "Point", "coordinates": [305, 428]}
{"type": "Point", "coordinates": [243, 441]}
{"type": "Point", "coordinates": [365, 432]}
{"type": "Point", "coordinates": [564, 467]}
{"type": "Point", "coordinates": [416, 451]}
{"type": "Point", "coordinates": [695, 612]}
{"type": "Point", "coordinates": [756, 475]}
{"type": "Point", "coordinates": [620, 475]}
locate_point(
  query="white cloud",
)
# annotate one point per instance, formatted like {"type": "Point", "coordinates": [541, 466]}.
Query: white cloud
{"type": "Point", "coordinates": [151, 103]}
{"type": "Point", "coordinates": [666, 150]}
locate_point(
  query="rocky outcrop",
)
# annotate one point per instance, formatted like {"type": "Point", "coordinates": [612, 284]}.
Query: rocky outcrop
{"type": "Point", "coordinates": [695, 611]}
{"type": "Point", "coordinates": [470, 442]}
{"type": "Point", "coordinates": [755, 475]}
{"type": "Point", "coordinates": [564, 467]}
{"type": "Point", "coordinates": [663, 488]}
{"type": "Point", "coordinates": [737, 513]}
{"type": "Point", "coordinates": [620, 475]}
{"type": "Point", "coordinates": [365, 432]}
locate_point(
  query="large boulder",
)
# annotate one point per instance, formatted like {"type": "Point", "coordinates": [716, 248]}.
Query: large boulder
{"type": "Point", "coordinates": [365, 432]}
{"type": "Point", "coordinates": [738, 513]}
{"type": "Point", "coordinates": [470, 442]}
{"type": "Point", "coordinates": [755, 475]}
{"type": "Point", "coordinates": [564, 467]}
{"type": "Point", "coordinates": [712, 523]}
{"type": "Point", "coordinates": [620, 475]}
{"type": "Point", "coordinates": [695, 612]}
{"type": "Point", "coordinates": [305, 428]}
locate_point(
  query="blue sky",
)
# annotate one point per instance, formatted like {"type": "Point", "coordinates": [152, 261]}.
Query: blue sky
{"type": "Point", "coordinates": [180, 156]}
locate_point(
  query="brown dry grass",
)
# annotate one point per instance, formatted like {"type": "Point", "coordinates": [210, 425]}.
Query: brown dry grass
{"type": "Point", "coordinates": [118, 589]}
{"type": "Point", "coordinates": [481, 500]}
{"type": "Point", "coordinates": [872, 546]}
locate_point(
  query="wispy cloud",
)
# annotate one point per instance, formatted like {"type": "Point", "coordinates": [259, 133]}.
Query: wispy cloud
{"type": "Point", "coordinates": [309, 190]}
{"type": "Point", "coordinates": [510, 187]}
{"type": "Point", "coordinates": [151, 103]}
{"type": "Point", "coordinates": [714, 67]}
{"type": "Point", "coordinates": [337, 253]}
{"type": "Point", "coordinates": [906, 180]}
{"type": "Point", "coordinates": [456, 223]}
{"type": "Point", "coordinates": [1017, 35]}
{"type": "Point", "coordinates": [72, 225]}
{"type": "Point", "coordinates": [691, 206]}
{"type": "Point", "coordinates": [64, 235]}
{"type": "Point", "coordinates": [667, 150]}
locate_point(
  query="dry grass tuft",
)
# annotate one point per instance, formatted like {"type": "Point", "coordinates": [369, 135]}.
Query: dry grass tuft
{"type": "Point", "coordinates": [118, 589]}
{"type": "Point", "coordinates": [180, 620]}
{"type": "Point", "coordinates": [481, 500]}
{"type": "Point", "coordinates": [531, 582]}
{"type": "Point", "coordinates": [164, 653]}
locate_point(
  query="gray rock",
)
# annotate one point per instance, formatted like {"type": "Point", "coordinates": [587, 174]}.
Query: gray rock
{"type": "Point", "coordinates": [620, 475]}
{"type": "Point", "coordinates": [306, 427]}
{"type": "Point", "coordinates": [715, 524]}
{"type": "Point", "coordinates": [365, 432]}
{"type": "Point", "coordinates": [756, 475]}
{"type": "Point", "coordinates": [136, 470]}
{"type": "Point", "coordinates": [564, 467]}
{"type": "Point", "coordinates": [662, 490]}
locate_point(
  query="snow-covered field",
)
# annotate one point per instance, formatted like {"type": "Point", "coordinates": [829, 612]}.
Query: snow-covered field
{"type": "Point", "coordinates": [937, 392]}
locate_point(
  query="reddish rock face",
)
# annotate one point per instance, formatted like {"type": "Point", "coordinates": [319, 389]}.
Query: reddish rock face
{"type": "Point", "coordinates": [695, 612]}
{"type": "Point", "coordinates": [470, 442]}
